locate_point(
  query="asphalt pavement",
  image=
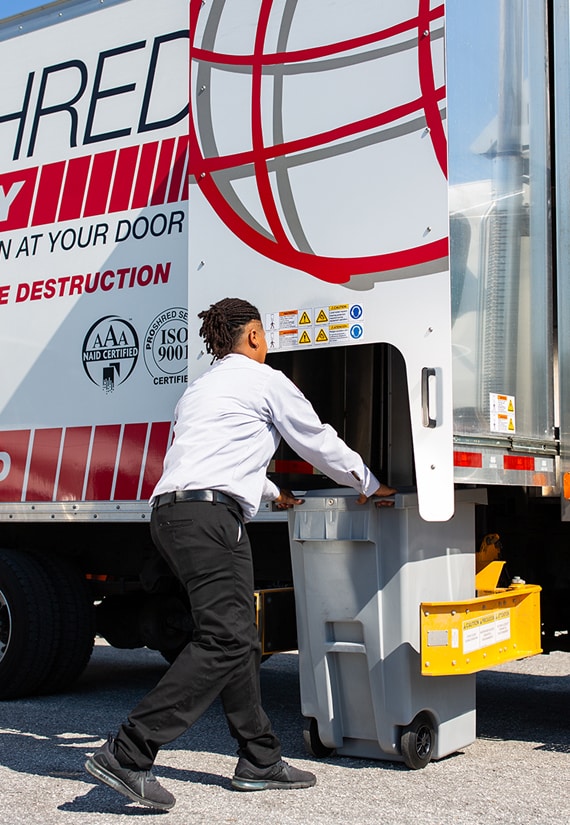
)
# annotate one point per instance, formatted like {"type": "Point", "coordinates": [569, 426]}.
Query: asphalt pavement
{"type": "Point", "coordinates": [516, 772]}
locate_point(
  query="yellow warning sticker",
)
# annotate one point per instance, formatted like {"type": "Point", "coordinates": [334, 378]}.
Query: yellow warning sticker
{"type": "Point", "coordinates": [339, 313]}
{"type": "Point", "coordinates": [305, 337]}
{"type": "Point", "coordinates": [486, 630]}
{"type": "Point", "coordinates": [304, 319]}
{"type": "Point", "coordinates": [322, 317]}
{"type": "Point", "coordinates": [322, 337]}
{"type": "Point", "coordinates": [339, 332]}
{"type": "Point", "coordinates": [502, 413]}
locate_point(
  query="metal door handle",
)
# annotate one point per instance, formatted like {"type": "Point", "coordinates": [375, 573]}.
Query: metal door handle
{"type": "Point", "coordinates": [427, 420]}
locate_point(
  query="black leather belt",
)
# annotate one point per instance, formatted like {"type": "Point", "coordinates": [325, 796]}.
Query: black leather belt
{"type": "Point", "coordinates": [212, 496]}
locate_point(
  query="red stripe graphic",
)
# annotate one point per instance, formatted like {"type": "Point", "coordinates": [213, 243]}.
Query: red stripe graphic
{"type": "Point", "coordinates": [102, 464]}
{"type": "Point", "coordinates": [73, 463]}
{"type": "Point", "coordinates": [48, 196]}
{"type": "Point", "coordinates": [130, 462]}
{"type": "Point", "coordinates": [13, 453]}
{"type": "Point", "coordinates": [87, 180]}
{"type": "Point", "coordinates": [144, 176]}
{"type": "Point", "coordinates": [43, 465]}
{"type": "Point", "coordinates": [124, 176]}
{"type": "Point", "coordinates": [74, 188]}
{"type": "Point", "coordinates": [180, 161]}
{"type": "Point", "coordinates": [162, 172]}
{"type": "Point", "coordinates": [110, 459]}
{"type": "Point", "coordinates": [157, 446]}
{"type": "Point", "coordinates": [98, 192]}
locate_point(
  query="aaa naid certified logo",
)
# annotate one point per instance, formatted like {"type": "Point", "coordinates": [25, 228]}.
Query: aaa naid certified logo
{"type": "Point", "coordinates": [165, 348]}
{"type": "Point", "coordinates": [110, 352]}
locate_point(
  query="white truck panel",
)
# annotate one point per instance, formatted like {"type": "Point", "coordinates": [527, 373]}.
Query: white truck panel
{"type": "Point", "coordinates": [323, 203]}
{"type": "Point", "coordinates": [93, 245]}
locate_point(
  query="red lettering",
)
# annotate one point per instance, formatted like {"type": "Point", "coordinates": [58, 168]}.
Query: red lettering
{"type": "Point", "coordinates": [4, 294]}
{"type": "Point", "coordinates": [16, 193]}
{"type": "Point", "coordinates": [49, 288]}
{"type": "Point", "coordinates": [91, 282]}
{"type": "Point", "coordinates": [107, 279]}
{"type": "Point", "coordinates": [144, 275]}
{"type": "Point", "coordinates": [122, 273]}
{"type": "Point", "coordinates": [76, 285]}
{"type": "Point", "coordinates": [162, 273]}
{"type": "Point", "coordinates": [37, 289]}
{"type": "Point", "coordinates": [62, 284]}
{"type": "Point", "coordinates": [22, 293]}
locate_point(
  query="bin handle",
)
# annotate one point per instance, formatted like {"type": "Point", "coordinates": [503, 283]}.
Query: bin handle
{"type": "Point", "coordinates": [427, 420]}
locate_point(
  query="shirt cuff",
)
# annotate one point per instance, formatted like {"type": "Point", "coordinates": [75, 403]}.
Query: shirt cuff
{"type": "Point", "coordinates": [271, 491]}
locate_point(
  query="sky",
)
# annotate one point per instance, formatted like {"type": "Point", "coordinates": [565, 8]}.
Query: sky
{"type": "Point", "coordinates": [10, 7]}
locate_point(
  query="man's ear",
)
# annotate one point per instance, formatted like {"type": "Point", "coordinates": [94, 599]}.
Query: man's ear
{"type": "Point", "coordinates": [252, 338]}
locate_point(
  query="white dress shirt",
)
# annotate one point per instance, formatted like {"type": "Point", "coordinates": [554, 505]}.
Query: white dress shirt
{"type": "Point", "coordinates": [228, 425]}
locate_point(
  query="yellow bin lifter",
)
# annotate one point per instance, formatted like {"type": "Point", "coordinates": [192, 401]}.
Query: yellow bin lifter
{"type": "Point", "coordinates": [499, 625]}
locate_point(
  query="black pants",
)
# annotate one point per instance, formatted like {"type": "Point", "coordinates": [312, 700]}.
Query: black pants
{"type": "Point", "coordinates": [208, 549]}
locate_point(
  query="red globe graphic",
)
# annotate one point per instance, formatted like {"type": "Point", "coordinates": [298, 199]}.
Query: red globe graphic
{"type": "Point", "coordinates": [208, 165]}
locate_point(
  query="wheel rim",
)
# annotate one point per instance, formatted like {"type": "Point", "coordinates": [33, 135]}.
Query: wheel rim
{"type": "Point", "coordinates": [423, 741]}
{"type": "Point", "coordinates": [5, 625]}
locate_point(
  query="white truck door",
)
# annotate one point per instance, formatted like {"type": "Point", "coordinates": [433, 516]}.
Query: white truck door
{"type": "Point", "coordinates": [319, 189]}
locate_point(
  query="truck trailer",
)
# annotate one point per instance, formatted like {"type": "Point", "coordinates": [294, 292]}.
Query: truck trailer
{"type": "Point", "coordinates": [386, 182]}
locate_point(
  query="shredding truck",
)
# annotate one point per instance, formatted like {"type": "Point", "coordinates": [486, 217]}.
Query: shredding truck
{"type": "Point", "coordinates": [387, 182]}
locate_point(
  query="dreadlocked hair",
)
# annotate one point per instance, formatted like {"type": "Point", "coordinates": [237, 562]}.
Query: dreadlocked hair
{"type": "Point", "coordinates": [223, 323]}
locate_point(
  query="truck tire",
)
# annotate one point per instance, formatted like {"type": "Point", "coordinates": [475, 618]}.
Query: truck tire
{"type": "Point", "coordinates": [28, 624]}
{"type": "Point", "coordinates": [74, 645]}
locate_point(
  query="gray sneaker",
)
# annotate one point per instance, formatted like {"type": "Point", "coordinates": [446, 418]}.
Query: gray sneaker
{"type": "Point", "coordinates": [140, 786]}
{"type": "Point", "coordinates": [281, 775]}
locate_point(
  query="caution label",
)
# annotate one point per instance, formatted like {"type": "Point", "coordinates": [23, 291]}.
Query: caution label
{"type": "Point", "coordinates": [502, 413]}
{"type": "Point", "coordinates": [288, 338]}
{"type": "Point", "coordinates": [339, 314]}
{"type": "Point", "coordinates": [339, 332]}
{"type": "Point", "coordinates": [307, 326]}
{"type": "Point", "coordinates": [288, 319]}
{"type": "Point", "coordinates": [487, 630]}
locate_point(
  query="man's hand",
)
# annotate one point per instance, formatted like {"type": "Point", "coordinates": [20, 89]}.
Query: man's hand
{"type": "Point", "coordinates": [286, 500]}
{"type": "Point", "coordinates": [382, 492]}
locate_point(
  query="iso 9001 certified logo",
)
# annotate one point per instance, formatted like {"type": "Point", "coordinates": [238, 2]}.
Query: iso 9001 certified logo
{"type": "Point", "coordinates": [110, 352]}
{"type": "Point", "coordinates": [166, 346]}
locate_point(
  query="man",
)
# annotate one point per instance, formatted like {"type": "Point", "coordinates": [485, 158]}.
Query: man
{"type": "Point", "coordinates": [228, 425]}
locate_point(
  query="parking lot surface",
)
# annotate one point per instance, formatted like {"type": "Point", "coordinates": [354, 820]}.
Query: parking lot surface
{"type": "Point", "coordinates": [517, 771]}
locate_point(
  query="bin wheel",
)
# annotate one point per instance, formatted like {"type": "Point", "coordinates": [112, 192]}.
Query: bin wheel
{"type": "Point", "coordinates": [417, 742]}
{"type": "Point", "coordinates": [312, 740]}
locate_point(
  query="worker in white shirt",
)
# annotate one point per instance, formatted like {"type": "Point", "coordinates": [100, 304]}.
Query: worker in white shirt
{"type": "Point", "coordinates": [228, 425]}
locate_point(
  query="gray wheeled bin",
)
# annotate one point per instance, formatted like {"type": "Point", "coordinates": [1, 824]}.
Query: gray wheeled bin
{"type": "Point", "coordinates": [360, 574]}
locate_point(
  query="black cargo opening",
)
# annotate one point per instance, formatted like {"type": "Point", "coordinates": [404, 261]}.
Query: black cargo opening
{"type": "Point", "coordinates": [362, 392]}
